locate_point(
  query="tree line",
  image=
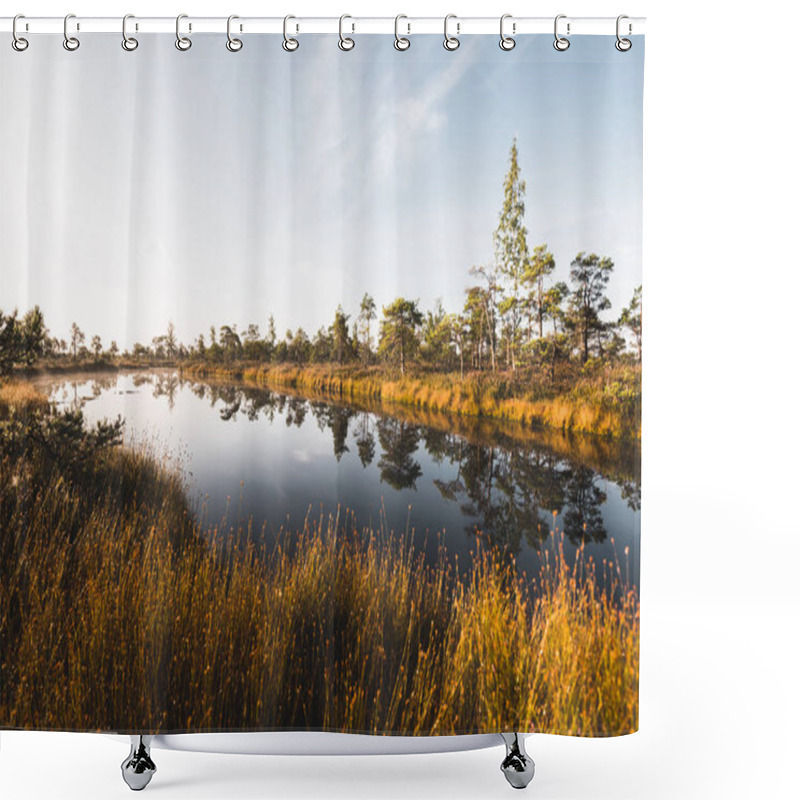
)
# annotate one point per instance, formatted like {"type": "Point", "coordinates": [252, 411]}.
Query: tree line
{"type": "Point", "coordinates": [515, 316]}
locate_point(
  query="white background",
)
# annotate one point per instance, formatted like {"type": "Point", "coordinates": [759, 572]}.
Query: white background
{"type": "Point", "coordinates": [720, 556]}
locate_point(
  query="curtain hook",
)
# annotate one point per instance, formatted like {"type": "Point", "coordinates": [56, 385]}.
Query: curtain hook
{"type": "Point", "coordinates": [289, 44]}
{"type": "Point", "coordinates": [182, 42]}
{"type": "Point", "coordinates": [71, 43]}
{"type": "Point", "coordinates": [507, 42]}
{"type": "Point", "coordinates": [401, 42]}
{"type": "Point", "coordinates": [345, 42]}
{"type": "Point", "coordinates": [18, 42]}
{"type": "Point", "coordinates": [623, 45]}
{"type": "Point", "coordinates": [233, 44]}
{"type": "Point", "coordinates": [451, 42]}
{"type": "Point", "coordinates": [561, 43]}
{"type": "Point", "coordinates": [128, 42]}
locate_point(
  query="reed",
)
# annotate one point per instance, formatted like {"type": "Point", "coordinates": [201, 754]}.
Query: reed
{"type": "Point", "coordinates": [607, 403]}
{"type": "Point", "coordinates": [118, 612]}
{"type": "Point", "coordinates": [20, 400]}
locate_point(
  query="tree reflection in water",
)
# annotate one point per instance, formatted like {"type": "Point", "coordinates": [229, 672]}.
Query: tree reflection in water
{"type": "Point", "coordinates": [399, 441]}
{"type": "Point", "coordinates": [365, 439]}
{"type": "Point", "coordinates": [511, 487]}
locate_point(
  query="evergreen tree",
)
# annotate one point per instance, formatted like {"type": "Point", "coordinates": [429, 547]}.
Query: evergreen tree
{"type": "Point", "coordinates": [11, 349]}
{"type": "Point", "coordinates": [511, 254]}
{"type": "Point", "coordinates": [631, 318]}
{"type": "Point", "coordinates": [340, 336]}
{"type": "Point", "coordinates": [77, 338]}
{"type": "Point", "coordinates": [485, 298]}
{"type": "Point", "coordinates": [589, 275]}
{"type": "Point", "coordinates": [230, 343]}
{"type": "Point", "coordinates": [171, 341]}
{"type": "Point", "coordinates": [538, 268]}
{"type": "Point", "coordinates": [436, 337]}
{"type": "Point", "coordinates": [366, 314]}
{"type": "Point", "coordinates": [398, 338]}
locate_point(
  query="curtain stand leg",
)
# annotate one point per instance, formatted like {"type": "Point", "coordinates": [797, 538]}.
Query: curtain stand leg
{"type": "Point", "coordinates": [517, 766]}
{"type": "Point", "coordinates": [138, 768]}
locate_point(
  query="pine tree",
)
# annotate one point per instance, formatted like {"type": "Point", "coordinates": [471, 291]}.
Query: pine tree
{"type": "Point", "coordinates": [365, 317]}
{"type": "Point", "coordinates": [399, 331]}
{"type": "Point", "coordinates": [511, 254]}
{"type": "Point", "coordinates": [589, 275]}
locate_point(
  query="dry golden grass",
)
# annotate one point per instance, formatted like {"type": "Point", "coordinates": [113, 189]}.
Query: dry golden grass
{"type": "Point", "coordinates": [20, 400]}
{"type": "Point", "coordinates": [607, 405]}
{"type": "Point", "coordinates": [117, 612]}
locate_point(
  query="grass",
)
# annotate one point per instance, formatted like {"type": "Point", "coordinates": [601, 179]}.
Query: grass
{"type": "Point", "coordinates": [117, 612]}
{"type": "Point", "coordinates": [18, 399]}
{"type": "Point", "coordinates": [605, 402]}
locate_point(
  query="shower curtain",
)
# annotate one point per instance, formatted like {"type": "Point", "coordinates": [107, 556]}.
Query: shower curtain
{"type": "Point", "coordinates": [320, 383]}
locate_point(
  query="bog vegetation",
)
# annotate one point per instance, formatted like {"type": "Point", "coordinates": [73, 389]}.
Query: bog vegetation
{"type": "Point", "coordinates": [523, 345]}
{"type": "Point", "coordinates": [118, 612]}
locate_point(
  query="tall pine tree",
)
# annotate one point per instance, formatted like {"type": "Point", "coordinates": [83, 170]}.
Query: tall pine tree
{"type": "Point", "coordinates": [511, 254]}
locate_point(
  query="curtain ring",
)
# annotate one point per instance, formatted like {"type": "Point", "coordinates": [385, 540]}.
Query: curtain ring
{"type": "Point", "coordinates": [70, 42]}
{"type": "Point", "coordinates": [128, 42]}
{"type": "Point", "coordinates": [451, 42]}
{"type": "Point", "coordinates": [18, 42]}
{"type": "Point", "coordinates": [181, 42]}
{"type": "Point", "coordinates": [345, 42]}
{"type": "Point", "coordinates": [506, 42]}
{"type": "Point", "coordinates": [400, 42]}
{"type": "Point", "coordinates": [289, 44]}
{"type": "Point", "coordinates": [623, 45]}
{"type": "Point", "coordinates": [233, 44]}
{"type": "Point", "coordinates": [561, 43]}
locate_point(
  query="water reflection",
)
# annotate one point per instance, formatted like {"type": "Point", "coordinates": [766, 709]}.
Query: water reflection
{"type": "Point", "coordinates": [512, 484]}
{"type": "Point", "coordinates": [510, 489]}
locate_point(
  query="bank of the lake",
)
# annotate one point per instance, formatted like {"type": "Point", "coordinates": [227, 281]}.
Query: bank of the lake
{"type": "Point", "coordinates": [607, 404]}
{"type": "Point", "coordinates": [616, 459]}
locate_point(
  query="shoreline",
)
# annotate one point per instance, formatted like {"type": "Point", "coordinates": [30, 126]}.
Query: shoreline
{"type": "Point", "coordinates": [481, 397]}
{"type": "Point", "coordinates": [616, 459]}
{"type": "Point", "coordinates": [585, 408]}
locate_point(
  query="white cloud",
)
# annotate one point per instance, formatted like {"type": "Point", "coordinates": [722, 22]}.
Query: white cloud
{"type": "Point", "coordinates": [398, 126]}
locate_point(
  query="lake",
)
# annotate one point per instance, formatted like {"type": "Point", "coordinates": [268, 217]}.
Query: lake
{"type": "Point", "coordinates": [251, 454]}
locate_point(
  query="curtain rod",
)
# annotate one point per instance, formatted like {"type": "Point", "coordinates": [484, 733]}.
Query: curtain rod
{"type": "Point", "coordinates": [298, 25]}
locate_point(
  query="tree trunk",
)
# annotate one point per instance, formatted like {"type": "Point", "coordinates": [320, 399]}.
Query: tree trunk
{"type": "Point", "coordinates": [491, 339]}
{"type": "Point", "coordinates": [539, 308]}
{"type": "Point", "coordinates": [585, 340]}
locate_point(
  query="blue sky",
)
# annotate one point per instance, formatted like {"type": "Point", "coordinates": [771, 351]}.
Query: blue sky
{"type": "Point", "coordinates": [207, 187]}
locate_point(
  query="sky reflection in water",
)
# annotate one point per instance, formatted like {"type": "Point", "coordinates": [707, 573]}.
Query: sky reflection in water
{"type": "Point", "coordinates": [253, 454]}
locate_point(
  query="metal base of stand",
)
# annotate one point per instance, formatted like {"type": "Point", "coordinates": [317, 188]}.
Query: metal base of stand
{"type": "Point", "coordinates": [138, 768]}
{"type": "Point", "coordinates": [517, 766]}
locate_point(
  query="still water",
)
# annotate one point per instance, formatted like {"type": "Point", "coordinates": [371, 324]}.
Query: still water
{"type": "Point", "coordinates": [251, 455]}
